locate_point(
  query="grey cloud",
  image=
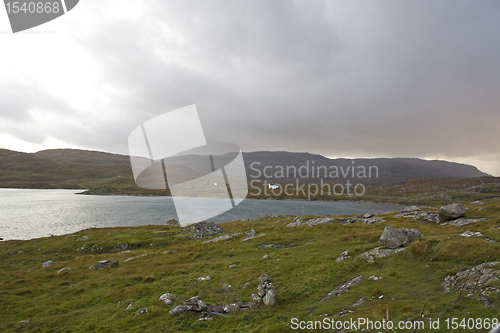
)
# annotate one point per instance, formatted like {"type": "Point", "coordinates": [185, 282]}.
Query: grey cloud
{"type": "Point", "coordinates": [385, 78]}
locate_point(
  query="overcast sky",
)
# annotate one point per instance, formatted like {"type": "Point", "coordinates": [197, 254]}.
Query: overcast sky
{"type": "Point", "coordinates": [337, 78]}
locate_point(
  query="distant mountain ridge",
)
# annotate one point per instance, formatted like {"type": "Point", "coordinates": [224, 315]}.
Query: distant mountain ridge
{"type": "Point", "coordinates": [74, 168]}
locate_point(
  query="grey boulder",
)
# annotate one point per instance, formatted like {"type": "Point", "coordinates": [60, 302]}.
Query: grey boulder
{"type": "Point", "coordinates": [394, 238]}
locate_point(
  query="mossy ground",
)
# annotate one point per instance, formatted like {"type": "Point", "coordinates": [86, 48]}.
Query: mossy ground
{"type": "Point", "coordinates": [83, 299]}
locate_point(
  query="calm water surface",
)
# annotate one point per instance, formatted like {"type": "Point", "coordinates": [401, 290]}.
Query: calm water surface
{"type": "Point", "coordinates": [26, 214]}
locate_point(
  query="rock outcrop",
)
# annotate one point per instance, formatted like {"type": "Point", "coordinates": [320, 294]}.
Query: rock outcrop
{"type": "Point", "coordinates": [206, 229]}
{"type": "Point", "coordinates": [467, 279]}
{"type": "Point", "coordinates": [452, 211]}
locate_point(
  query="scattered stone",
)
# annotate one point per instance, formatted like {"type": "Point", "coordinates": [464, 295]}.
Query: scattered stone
{"type": "Point", "coordinates": [410, 209]}
{"type": "Point", "coordinates": [205, 316]}
{"type": "Point", "coordinates": [452, 211]}
{"type": "Point", "coordinates": [374, 278]}
{"type": "Point", "coordinates": [373, 220]}
{"type": "Point", "coordinates": [276, 246]}
{"type": "Point", "coordinates": [91, 267]}
{"type": "Point", "coordinates": [48, 263]}
{"type": "Point", "coordinates": [471, 234]}
{"type": "Point", "coordinates": [206, 229]}
{"type": "Point", "coordinates": [359, 301]}
{"type": "Point", "coordinates": [463, 221]}
{"type": "Point", "coordinates": [178, 310]}
{"type": "Point", "coordinates": [230, 307]}
{"type": "Point", "coordinates": [266, 293]}
{"type": "Point", "coordinates": [394, 238]}
{"type": "Point", "coordinates": [223, 237]}
{"type": "Point", "coordinates": [294, 224]}
{"type": "Point", "coordinates": [122, 246]}
{"type": "Point", "coordinates": [343, 287]}
{"type": "Point", "coordinates": [246, 285]}
{"type": "Point", "coordinates": [343, 256]}
{"type": "Point", "coordinates": [318, 221]}
{"type": "Point", "coordinates": [226, 287]}
{"type": "Point", "coordinates": [233, 265]}
{"type": "Point", "coordinates": [378, 252]}
{"type": "Point", "coordinates": [130, 306]}
{"type": "Point", "coordinates": [468, 278]}
{"type": "Point", "coordinates": [203, 278]}
{"type": "Point", "coordinates": [265, 256]}
{"type": "Point", "coordinates": [167, 298]}
{"type": "Point", "coordinates": [63, 270]}
{"type": "Point", "coordinates": [367, 257]}
{"type": "Point", "coordinates": [476, 203]}
{"type": "Point", "coordinates": [106, 264]}
{"type": "Point", "coordinates": [142, 312]}
{"type": "Point", "coordinates": [173, 223]}
{"type": "Point", "coordinates": [349, 221]}
{"type": "Point", "coordinates": [250, 233]}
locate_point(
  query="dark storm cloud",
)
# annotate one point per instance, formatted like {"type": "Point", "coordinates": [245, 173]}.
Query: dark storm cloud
{"type": "Point", "coordinates": [384, 78]}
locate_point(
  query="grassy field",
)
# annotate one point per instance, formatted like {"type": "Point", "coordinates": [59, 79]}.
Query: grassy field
{"type": "Point", "coordinates": [168, 260]}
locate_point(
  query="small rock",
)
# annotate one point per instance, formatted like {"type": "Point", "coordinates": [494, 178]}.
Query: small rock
{"type": "Point", "coordinates": [178, 310]}
{"type": "Point", "coordinates": [63, 269]}
{"type": "Point", "coordinates": [343, 256]}
{"type": "Point", "coordinates": [367, 215]}
{"type": "Point", "coordinates": [106, 264]}
{"type": "Point", "coordinates": [374, 278]}
{"type": "Point", "coordinates": [359, 301]}
{"type": "Point", "coordinates": [142, 312]}
{"type": "Point", "coordinates": [265, 256]}
{"type": "Point", "coordinates": [48, 263]}
{"type": "Point", "coordinates": [205, 316]}
{"type": "Point", "coordinates": [201, 278]}
{"type": "Point", "coordinates": [250, 233]}
{"type": "Point", "coordinates": [410, 209]}
{"type": "Point", "coordinates": [130, 306]}
{"type": "Point", "coordinates": [226, 287]}
{"type": "Point", "coordinates": [452, 211]}
{"type": "Point", "coordinates": [476, 203]}
{"type": "Point", "coordinates": [471, 234]}
{"type": "Point", "coordinates": [167, 298]}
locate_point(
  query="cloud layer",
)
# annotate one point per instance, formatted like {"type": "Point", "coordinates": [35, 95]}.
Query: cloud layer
{"type": "Point", "coordinates": [356, 79]}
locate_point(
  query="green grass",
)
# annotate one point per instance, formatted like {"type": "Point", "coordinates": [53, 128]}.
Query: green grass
{"type": "Point", "coordinates": [83, 299]}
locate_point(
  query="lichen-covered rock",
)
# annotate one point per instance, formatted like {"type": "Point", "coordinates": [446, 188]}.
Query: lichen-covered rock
{"type": "Point", "coordinates": [452, 211]}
